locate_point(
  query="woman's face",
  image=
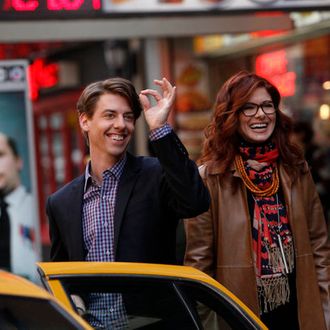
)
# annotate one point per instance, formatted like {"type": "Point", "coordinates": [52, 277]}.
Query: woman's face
{"type": "Point", "coordinates": [257, 117]}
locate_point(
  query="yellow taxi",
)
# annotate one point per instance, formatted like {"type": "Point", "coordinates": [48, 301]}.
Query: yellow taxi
{"type": "Point", "coordinates": [151, 296]}
{"type": "Point", "coordinates": [24, 305]}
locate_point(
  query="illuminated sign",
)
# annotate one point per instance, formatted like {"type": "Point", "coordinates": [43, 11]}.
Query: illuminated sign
{"type": "Point", "coordinates": [40, 9]}
{"type": "Point", "coordinates": [43, 76]}
{"type": "Point", "coordinates": [24, 50]}
{"type": "Point", "coordinates": [158, 6]}
{"type": "Point", "coordinates": [48, 8]}
{"type": "Point", "coordinates": [273, 66]}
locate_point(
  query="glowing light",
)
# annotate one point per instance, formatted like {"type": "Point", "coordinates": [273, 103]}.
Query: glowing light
{"type": "Point", "coordinates": [273, 66]}
{"type": "Point", "coordinates": [51, 5]}
{"type": "Point", "coordinates": [20, 5]}
{"type": "Point", "coordinates": [64, 4]}
{"type": "Point", "coordinates": [272, 63]}
{"type": "Point", "coordinates": [324, 112]}
{"type": "Point", "coordinates": [42, 75]}
{"type": "Point", "coordinates": [326, 85]}
{"type": "Point", "coordinates": [97, 4]}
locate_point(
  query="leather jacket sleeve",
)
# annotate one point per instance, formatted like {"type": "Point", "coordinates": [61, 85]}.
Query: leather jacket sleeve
{"type": "Point", "coordinates": [200, 245]}
{"type": "Point", "coordinates": [320, 246]}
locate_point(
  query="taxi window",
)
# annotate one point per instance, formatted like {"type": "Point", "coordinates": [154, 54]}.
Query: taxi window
{"type": "Point", "coordinates": [21, 313]}
{"type": "Point", "coordinates": [153, 303]}
{"type": "Point", "coordinates": [215, 310]}
{"type": "Point", "coordinates": [142, 304]}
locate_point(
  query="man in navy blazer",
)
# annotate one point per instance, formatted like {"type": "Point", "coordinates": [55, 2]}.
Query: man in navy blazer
{"type": "Point", "coordinates": [125, 208]}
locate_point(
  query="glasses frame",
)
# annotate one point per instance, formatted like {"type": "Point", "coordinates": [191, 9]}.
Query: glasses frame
{"type": "Point", "coordinates": [257, 108]}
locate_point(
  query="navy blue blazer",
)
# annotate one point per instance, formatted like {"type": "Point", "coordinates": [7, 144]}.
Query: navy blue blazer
{"type": "Point", "coordinates": [153, 194]}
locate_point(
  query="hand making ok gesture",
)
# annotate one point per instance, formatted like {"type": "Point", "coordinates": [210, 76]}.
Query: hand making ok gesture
{"type": "Point", "coordinates": [156, 116]}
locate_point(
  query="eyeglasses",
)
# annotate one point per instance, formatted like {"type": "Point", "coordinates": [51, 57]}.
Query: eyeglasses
{"type": "Point", "coordinates": [250, 109]}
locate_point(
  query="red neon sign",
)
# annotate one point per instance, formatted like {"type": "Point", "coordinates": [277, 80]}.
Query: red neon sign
{"type": "Point", "coordinates": [42, 75]}
{"type": "Point", "coordinates": [67, 5]}
{"type": "Point", "coordinates": [20, 5]}
{"type": "Point", "coordinates": [51, 5]}
{"type": "Point", "coordinates": [70, 4]}
{"type": "Point", "coordinates": [273, 66]}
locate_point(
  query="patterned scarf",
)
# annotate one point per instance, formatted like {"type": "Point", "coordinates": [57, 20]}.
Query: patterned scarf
{"type": "Point", "coordinates": [272, 239]}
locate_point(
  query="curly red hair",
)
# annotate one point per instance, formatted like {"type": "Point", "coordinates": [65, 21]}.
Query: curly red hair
{"type": "Point", "coordinates": [222, 137]}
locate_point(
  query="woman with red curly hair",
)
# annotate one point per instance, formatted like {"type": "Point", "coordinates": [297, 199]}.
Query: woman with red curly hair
{"type": "Point", "coordinates": [264, 236]}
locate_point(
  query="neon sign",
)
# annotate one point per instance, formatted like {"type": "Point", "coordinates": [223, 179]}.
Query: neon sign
{"type": "Point", "coordinates": [21, 8]}
{"type": "Point", "coordinates": [274, 67]}
{"type": "Point", "coordinates": [42, 75]}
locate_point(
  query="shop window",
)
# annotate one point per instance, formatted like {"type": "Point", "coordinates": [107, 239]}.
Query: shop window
{"type": "Point", "coordinates": [60, 147]}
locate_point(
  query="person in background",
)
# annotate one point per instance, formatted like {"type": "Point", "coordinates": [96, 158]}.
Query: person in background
{"type": "Point", "coordinates": [318, 159]}
{"type": "Point", "coordinates": [264, 236]}
{"type": "Point", "coordinates": [303, 134]}
{"type": "Point", "coordinates": [20, 245]}
{"type": "Point", "coordinates": [124, 208]}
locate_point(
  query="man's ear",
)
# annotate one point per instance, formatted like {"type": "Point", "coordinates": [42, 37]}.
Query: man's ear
{"type": "Point", "coordinates": [83, 122]}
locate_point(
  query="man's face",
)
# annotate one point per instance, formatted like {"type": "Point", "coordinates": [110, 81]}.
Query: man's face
{"type": "Point", "coordinates": [110, 129]}
{"type": "Point", "coordinates": [10, 167]}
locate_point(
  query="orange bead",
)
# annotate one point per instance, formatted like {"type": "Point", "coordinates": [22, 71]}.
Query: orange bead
{"type": "Point", "coordinates": [269, 191]}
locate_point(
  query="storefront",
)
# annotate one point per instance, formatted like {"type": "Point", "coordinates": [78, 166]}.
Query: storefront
{"type": "Point", "coordinates": [66, 54]}
{"type": "Point", "coordinates": [297, 63]}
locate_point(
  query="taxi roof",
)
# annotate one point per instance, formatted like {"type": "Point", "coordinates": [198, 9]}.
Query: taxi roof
{"type": "Point", "coordinates": [11, 284]}
{"type": "Point", "coordinates": [124, 268]}
{"type": "Point", "coordinates": [17, 286]}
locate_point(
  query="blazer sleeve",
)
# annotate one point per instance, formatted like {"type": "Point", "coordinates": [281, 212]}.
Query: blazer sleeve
{"type": "Point", "coordinates": [318, 234]}
{"type": "Point", "coordinates": [57, 249]}
{"type": "Point", "coordinates": [200, 244]}
{"type": "Point", "coordinates": [181, 187]}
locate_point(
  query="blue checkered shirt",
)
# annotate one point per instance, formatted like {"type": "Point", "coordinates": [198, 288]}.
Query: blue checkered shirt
{"type": "Point", "coordinates": [105, 310]}
{"type": "Point", "coordinates": [160, 132]}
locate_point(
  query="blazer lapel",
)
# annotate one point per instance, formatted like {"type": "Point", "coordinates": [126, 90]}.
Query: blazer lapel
{"type": "Point", "coordinates": [75, 221]}
{"type": "Point", "coordinates": [126, 184]}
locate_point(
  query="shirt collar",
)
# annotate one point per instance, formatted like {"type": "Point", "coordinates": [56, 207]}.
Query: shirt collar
{"type": "Point", "coordinates": [116, 170]}
{"type": "Point", "coordinates": [15, 196]}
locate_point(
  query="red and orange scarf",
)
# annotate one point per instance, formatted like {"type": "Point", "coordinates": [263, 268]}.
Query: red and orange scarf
{"type": "Point", "coordinates": [272, 239]}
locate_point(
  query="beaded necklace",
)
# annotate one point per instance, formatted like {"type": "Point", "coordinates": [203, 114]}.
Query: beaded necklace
{"type": "Point", "coordinates": [269, 191]}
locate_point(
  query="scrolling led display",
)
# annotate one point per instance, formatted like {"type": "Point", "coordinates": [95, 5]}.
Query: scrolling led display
{"type": "Point", "coordinates": [29, 9]}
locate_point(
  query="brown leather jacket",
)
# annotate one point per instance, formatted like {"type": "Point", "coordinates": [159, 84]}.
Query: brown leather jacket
{"type": "Point", "coordinates": [219, 242]}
